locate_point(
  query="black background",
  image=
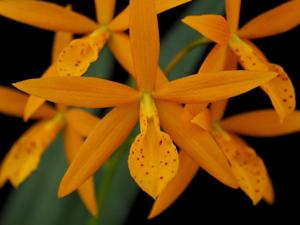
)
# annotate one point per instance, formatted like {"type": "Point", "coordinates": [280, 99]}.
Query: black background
{"type": "Point", "coordinates": [25, 53]}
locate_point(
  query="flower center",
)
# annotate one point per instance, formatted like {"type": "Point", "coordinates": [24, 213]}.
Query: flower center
{"type": "Point", "coordinates": [99, 36]}
{"type": "Point", "coordinates": [148, 112]}
{"type": "Point", "coordinates": [147, 105]}
{"type": "Point", "coordinates": [101, 30]}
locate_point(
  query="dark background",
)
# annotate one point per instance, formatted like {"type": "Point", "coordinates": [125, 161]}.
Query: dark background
{"type": "Point", "coordinates": [25, 52]}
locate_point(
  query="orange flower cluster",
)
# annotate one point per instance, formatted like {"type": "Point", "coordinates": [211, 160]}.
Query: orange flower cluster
{"type": "Point", "coordinates": [181, 121]}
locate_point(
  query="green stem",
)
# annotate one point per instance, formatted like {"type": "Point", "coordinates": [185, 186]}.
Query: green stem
{"type": "Point", "coordinates": [183, 52]}
{"type": "Point", "coordinates": [109, 168]}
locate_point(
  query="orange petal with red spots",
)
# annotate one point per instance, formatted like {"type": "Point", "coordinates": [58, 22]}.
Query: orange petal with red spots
{"type": "Point", "coordinates": [247, 167]}
{"type": "Point", "coordinates": [76, 58]}
{"type": "Point", "coordinates": [153, 158]}
{"type": "Point", "coordinates": [247, 56]}
{"type": "Point", "coordinates": [280, 89]}
{"type": "Point", "coordinates": [257, 51]}
{"type": "Point", "coordinates": [24, 156]}
{"type": "Point", "coordinates": [281, 92]}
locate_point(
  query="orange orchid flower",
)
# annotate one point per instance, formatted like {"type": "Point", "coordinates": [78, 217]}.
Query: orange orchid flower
{"type": "Point", "coordinates": [75, 59]}
{"type": "Point", "coordinates": [246, 165]}
{"type": "Point", "coordinates": [24, 156]}
{"type": "Point", "coordinates": [227, 35]}
{"type": "Point", "coordinates": [153, 159]}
